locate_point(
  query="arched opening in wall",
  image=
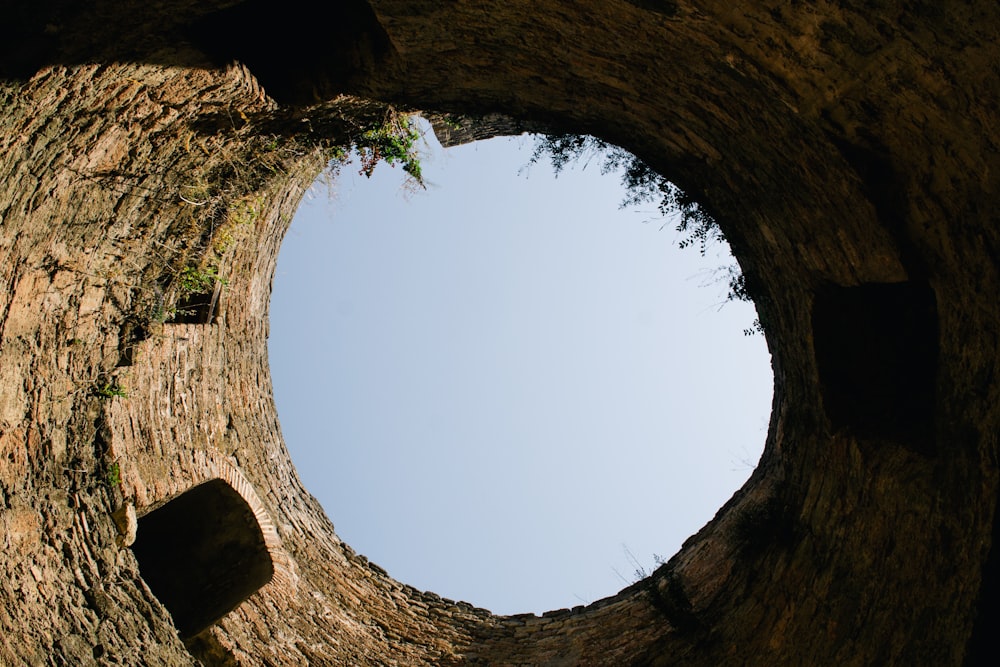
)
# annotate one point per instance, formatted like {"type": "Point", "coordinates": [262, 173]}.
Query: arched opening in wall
{"type": "Point", "coordinates": [499, 388]}
{"type": "Point", "coordinates": [202, 554]}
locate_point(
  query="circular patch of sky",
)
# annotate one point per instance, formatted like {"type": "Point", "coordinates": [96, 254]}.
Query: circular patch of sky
{"type": "Point", "coordinates": [507, 388]}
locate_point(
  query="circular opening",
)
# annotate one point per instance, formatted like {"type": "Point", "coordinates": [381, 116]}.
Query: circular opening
{"type": "Point", "coordinates": [508, 389]}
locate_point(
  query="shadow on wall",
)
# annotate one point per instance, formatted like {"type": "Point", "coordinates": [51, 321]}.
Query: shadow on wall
{"type": "Point", "coordinates": [202, 554]}
{"type": "Point", "coordinates": [297, 55]}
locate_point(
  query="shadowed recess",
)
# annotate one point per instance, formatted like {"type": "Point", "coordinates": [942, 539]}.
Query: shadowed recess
{"type": "Point", "coordinates": [202, 554]}
{"type": "Point", "coordinates": [300, 60]}
{"type": "Point", "coordinates": [984, 643]}
{"type": "Point", "coordinates": [877, 352]}
{"type": "Point", "coordinates": [201, 307]}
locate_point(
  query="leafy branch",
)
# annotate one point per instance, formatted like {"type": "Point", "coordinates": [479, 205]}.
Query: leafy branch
{"type": "Point", "coordinates": [642, 185]}
{"type": "Point", "coordinates": [394, 141]}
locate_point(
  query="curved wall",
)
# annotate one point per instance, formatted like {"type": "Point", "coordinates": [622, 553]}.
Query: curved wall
{"type": "Point", "coordinates": [841, 146]}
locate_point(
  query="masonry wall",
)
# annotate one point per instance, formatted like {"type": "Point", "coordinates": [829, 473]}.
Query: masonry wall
{"type": "Point", "coordinates": [843, 147]}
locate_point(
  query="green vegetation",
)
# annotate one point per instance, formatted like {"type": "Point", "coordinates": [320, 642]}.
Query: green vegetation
{"type": "Point", "coordinates": [110, 390]}
{"type": "Point", "coordinates": [199, 281]}
{"type": "Point", "coordinates": [113, 477]}
{"type": "Point", "coordinates": [392, 142]}
{"type": "Point", "coordinates": [244, 211]}
{"type": "Point", "coordinates": [163, 314]}
{"type": "Point", "coordinates": [643, 184]}
{"type": "Point", "coordinates": [224, 201]}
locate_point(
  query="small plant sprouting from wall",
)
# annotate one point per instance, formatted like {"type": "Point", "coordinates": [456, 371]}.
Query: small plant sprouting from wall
{"type": "Point", "coordinates": [110, 389]}
{"type": "Point", "coordinates": [394, 141]}
{"type": "Point", "coordinates": [164, 314]}
{"type": "Point", "coordinates": [198, 291]}
{"type": "Point", "coordinates": [193, 280]}
{"type": "Point", "coordinates": [240, 215]}
{"type": "Point", "coordinates": [113, 476]}
{"type": "Point", "coordinates": [639, 571]}
{"type": "Point", "coordinates": [229, 197]}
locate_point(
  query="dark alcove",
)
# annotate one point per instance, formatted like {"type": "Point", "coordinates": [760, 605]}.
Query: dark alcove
{"type": "Point", "coordinates": [877, 353]}
{"type": "Point", "coordinates": [202, 554]}
{"type": "Point", "coordinates": [198, 307]}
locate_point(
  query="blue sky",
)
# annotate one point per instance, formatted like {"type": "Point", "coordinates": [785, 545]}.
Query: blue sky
{"type": "Point", "coordinates": [497, 386]}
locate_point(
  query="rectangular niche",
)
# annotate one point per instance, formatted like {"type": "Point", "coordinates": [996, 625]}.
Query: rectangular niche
{"type": "Point", "coordinates": [199, 307]}
{"type": "Point", "coordinates": [876, 351]}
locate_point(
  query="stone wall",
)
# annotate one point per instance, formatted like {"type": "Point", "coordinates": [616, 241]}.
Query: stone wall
{"type": "Point", "coordinates": [848, 150]}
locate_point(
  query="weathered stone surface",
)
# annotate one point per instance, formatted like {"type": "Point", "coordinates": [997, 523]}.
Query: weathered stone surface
{"type": "Point", "coordinates": [127, 524]}
{"type": "Point", "coordinates": [842, 146]}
